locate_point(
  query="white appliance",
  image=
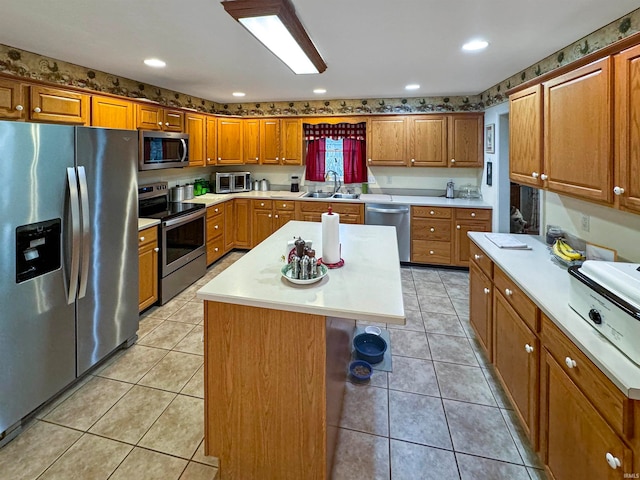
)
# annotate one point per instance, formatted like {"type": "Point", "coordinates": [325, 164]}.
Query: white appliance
{"type": "Point", "coordinates": [607, 295]}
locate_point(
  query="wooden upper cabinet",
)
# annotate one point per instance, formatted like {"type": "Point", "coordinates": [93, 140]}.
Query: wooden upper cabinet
{"type": "Point", "coordinates": [466, 140]}
{"type": "Point", "coordinates": [173, 120]}
{"type": "Point", "coordinates": [428, 141]}
{"type": "Point", "coordinates": [270, 141]}
{"type": "Point", "coordinates": [53, 105]}
{"type": "Point", "coordinates": [111, 112]}
{"type": "Point", "coordinates": [627, 141]}
{"type": "Point", "coordinates": [251, 133]}
{"type": "Point", "coordinates": [387, 141]}
{"type": "Point", "coordinates": [211, 153]}
{"type": "Point", "coordinates": [230, 141]}
{"type": "Point", "coordinates": [196, 128]}
{"type": "Point", "coordinates": [578, 152]}
{"type": "Point", "coordinates": [526, 136]}
{"type": "Point", "coordinates": [149, 117]}
{"type": "Point", "coordinates": [12, 101]}
{"type": "Point", "coordinates": [291, 141]}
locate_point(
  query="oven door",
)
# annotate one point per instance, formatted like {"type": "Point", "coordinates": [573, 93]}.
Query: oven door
{"type": "Point", "coordinates": [183, 239]}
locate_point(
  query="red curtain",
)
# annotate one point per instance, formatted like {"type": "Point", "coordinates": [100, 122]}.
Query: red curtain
{"type": "Point", "coordinates": [355, 168]}
{"type": "Point", "coordinates": [316, 150]}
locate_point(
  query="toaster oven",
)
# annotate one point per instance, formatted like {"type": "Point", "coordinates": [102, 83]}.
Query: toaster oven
{"type": "Point", "coordinates": [231, 182]}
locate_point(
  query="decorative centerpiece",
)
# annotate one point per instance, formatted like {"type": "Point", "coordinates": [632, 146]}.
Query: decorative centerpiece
{"type": "Point", "coordinates": [303, 267]}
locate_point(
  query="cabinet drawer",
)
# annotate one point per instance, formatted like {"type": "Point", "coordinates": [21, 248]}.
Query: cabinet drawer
{"type": "Point", "coordinates": [215, 210]}
{"type": "Point", "coordinates": [215, 249]}
{"type": "Point", "coordinates": [262, 204]}
{"type": "Point", "coordinates": [284, 205]}
{"type": "Point", "coordinates": [431, 212]}
{"type": "Point", "coordinates": [473, 214]}
{"type": "Point", "coordinates": [517, 299]}
{"type": "Point", "coordinates": [215, 227]}
{"type": "Point", "coordinates": [612, 404]}
{"type": "Point", "coordinates": [431, 229]}
{"type": "Point", "coordinates": [348, 218]}
{"type": "Point", "coordinates": [481, 260]}
{"type": "Point", "coordinates": [351, 208]}
{"type": "Point", "coordinates": [147, 236]}
{"type": "Point", "coordinates": [312, 206]}
{"type": "Point", "coordinates": [425, 251]}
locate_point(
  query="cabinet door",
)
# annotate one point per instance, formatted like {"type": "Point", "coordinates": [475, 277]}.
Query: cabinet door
{"type": "Point", "coordinates": [243, 225]}
{"type": "Point", "coordinates": [578, 152]}
{"type": "Point", "coordinates": [627, 94]}
{"type": "Point", "coordinates": [575, 440]}
{"type": "Point", "coordinates": [195, 127]}
{"type": "Point", "coordinates": [12, 105]}
{"type": "Point", "coordinates": [386, 141]}
{"type": "Point", "coordinates": [251, 134]}
{"type": "Point", "coordinates": [173, 120]}
{"type": "Point", "coordinates": [149, 117]}
{"type": "Point", "coordinates": [282, 217]}
{"type": "Point", "coordinates": [525, 136]}
{"type": "Point", "coordinates": [465, 140]}
{"type": "Point", "coordinates": [291, 141]}
{"type": "Point", "coordinates": [270, 141]}
{"type": "Point", "coordinates": [462, 243]}
{"type": "Point", "coordinates": [229, 224]}
{"type": "Point", "coordinates": [230, 141]}
{"type": "Point", "coordinates": [212, 140]}
{"type": "Point", "coordinates": [261, 225]}
{"type": "Point", "coordinates": [110, 112]}
{"type": "Point", "coordinates": [148, 268]}
{"type": "Point", "coordinates": [480, 307]}
{"type": "Point", "coordinates": [428, 141]}
{"type": "Point", "coordinates": [53, 105]}
{"type": "Point", "coordinates": [516, 353]}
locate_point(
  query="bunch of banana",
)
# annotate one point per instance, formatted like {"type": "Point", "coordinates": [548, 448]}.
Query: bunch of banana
{"type": "Point", "coordinates": [563, 251]}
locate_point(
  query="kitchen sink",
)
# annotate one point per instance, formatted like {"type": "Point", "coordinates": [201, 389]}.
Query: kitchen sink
{"type": "Point", "coordinates": [317, 195]}
{"type": "Point", "coordinates": [347, 196]}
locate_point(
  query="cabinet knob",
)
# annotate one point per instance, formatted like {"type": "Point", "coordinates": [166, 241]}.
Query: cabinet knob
{"type": "Point", "coordinates": [431, 252]}
{"type": "Point", "coordinates": [535, 174]}
{"type": "Point", "coordinates": [570, 362]}
{"type": "Point", "coordinates": [453, 160]}
{"type": "Point", "coordinates": [508, 292]}
{"type": "Point", "coordinates": [156, 249]}
{"type": "Point", "coordinates": [160, 123]}
{"type": "Point", "coordinates": [284, 205]}
{"type": "Point", "coordinates": [37, 109]}
{"type": "Point", "coordinates": [216, 227]}
{"type": "Point", "coordinates": [219, 159]}
{"type": "Point", "coordinates": [614, 462]}
{"type": "Point", "coordinates": [413, 160]}
{"type": "Point", "coordinates": [432, 212]}
{"type": "Point", "coordinates": [487, 291]}
{"type": "Point", "coordinates": [208, 159]}
{"type": "Point", "coordinates": [142, 239]}
{"type": "Point", "coordinates": [618, 190]}
{"type": "Point", "coordinates": [276, 216]}
{"type": "Point", "coordinates": [473, 214]}
{"type": "Point", "coordinates": [257, 159]}
{"type": "Point", "coordinates": [215, 210]}
{"type": "Point", "coordinates": [216, 249]}
{"type": "Point", "coordinates": [543, 176]}
{"type": "Point", "coordinates": [458, 227]}
{"type": "Point", "coordinates": [19, 108]}
{"type": "Point", "coordinates": [369, 160]}
{"type": "Point", "coordinates": [262, 204]}
{"type": "Point", "coordinates": [277, 158]}
{"type": "Point", "coordinates": [283, 159]}
{"type": "Point", "coordinates": [269, 215]}
{"type": "Point", "coordinates": [167, 124]}
{"type": "Point", "coordinates": [432, 229]}
{"type": "Point", "coordinates": [477, 257]}
{"type": "Point", "coordinates": [528, 348]}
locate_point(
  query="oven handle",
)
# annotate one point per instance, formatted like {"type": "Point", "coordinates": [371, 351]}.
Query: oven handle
{"type": "Point", "coordinates": [184, 149]}
{"type": "Point", "coordinates": [184, 218]}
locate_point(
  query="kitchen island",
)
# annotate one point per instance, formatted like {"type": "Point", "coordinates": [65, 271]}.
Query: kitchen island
{"type": "Point", "coordinates": [276, 354]}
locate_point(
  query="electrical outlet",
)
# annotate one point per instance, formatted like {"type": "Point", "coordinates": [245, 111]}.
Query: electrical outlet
{"type": "Point", "coordinates": [371, 178]}
{"type": "Point", "coordinates": [585, 222]}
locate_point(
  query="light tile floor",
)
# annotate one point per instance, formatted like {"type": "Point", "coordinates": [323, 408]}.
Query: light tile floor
{"type": "Point", "coordinates": [440, 415]}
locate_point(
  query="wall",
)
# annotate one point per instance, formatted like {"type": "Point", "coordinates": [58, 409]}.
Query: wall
{"type": "Point", "coordinates": [497, 194]}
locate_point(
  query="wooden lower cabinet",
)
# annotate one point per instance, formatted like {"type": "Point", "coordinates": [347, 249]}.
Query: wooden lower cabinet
{"type": "Point", "coordinates": [229, 224]}
{"type": "Point", "coordinates": [468, 220]}
{"type": "Point", "coordinates": [267, 216]}
{"type": "Point", "coordinates": [148, 267]}
{"type": "Point", "coordinates": [242, 230]}
{"type": "Point", "coordinates": [215, 232]}
{"type": "Point", "coordinates": [352, 213]}
{"type": "Point", "coordinates": [480, 307]}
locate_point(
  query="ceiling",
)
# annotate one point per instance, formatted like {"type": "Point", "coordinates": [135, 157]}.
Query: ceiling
{"type": "Point", "coordinates": [373, 48]}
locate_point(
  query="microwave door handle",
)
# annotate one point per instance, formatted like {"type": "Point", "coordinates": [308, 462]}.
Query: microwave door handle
{"type": "Point", "coordinates": [86, 231]}
{"type": "Point", "coordinates": [184, 149]}
{"type": "Point", "coordinates": [74, 206]}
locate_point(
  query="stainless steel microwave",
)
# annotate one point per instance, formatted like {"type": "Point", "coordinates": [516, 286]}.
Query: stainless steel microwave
{"type": "Point", "coordinates": [230, 182]}
{"type": "Point", "coordinates": [163, 150]}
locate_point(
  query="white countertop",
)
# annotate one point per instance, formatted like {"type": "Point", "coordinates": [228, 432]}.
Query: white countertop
{"type": "Point", "coordinates": [368, 286]}
{"type": "Point", "coordinates": [547, 284]}
{"type": "Point", "coordinates": [147, 222]}
{"type": "Point", "coordinates": [440, 201]}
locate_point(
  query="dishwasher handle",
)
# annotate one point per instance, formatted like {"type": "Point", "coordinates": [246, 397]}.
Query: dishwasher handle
{"type": "Point", "coordinates": [388, 210]}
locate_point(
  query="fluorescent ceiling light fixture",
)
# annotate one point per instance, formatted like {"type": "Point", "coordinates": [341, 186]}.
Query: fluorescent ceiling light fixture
{"type": "Point", "coordinates": [319, 90]}
{"type": "Point", "coordinates": [412, 86]}
{"type": "Point", "coordinates": [155, 63]}
{"type": "Point", "coordinates": [238, 94]}
{"type": "Point", "coordinates": [475, 45]}
{"type": "Point", "coordinates": [275, 24]}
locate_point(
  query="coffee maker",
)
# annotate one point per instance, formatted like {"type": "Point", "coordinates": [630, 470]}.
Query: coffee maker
{"type": "Point", "coordinates": [295, 183]}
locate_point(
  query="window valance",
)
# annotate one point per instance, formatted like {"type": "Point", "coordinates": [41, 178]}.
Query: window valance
{"type": "Point", "coordinates": [355, 131]}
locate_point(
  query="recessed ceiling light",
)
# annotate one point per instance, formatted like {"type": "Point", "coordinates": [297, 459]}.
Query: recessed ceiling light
{"type": "Point", "coordinates": [412, 86]}
{"type": "Point", "coordinates": [475, 45]}
{"type": "Point", "coordinates": [238, 94]}
{"type": "Point", "coordinates": [155, 62]}
{"type": "Point", "coordinates": [319, 90]}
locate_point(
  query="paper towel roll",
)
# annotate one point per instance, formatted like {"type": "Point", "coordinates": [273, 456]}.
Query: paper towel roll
{"type": "Point", "coordinates": [330, 238]}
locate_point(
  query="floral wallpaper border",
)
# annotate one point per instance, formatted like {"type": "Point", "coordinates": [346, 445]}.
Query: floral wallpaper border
{"type": "Point", "coordinates": [29, 65]}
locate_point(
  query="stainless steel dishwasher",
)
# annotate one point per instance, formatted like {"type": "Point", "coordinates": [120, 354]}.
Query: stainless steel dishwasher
{"type": "Point", "coordinates": [393, 215]}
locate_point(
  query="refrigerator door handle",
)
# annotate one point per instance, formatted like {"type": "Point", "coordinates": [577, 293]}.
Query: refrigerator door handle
{"type": "Point", "coordinates": [74, 205]}
{"type": "Point", "coordinates": [184, 149]}
{"type": "Point", "coordinates": [86, 232]}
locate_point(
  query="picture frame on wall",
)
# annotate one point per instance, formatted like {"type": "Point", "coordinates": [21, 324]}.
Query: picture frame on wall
{"type": "Point", "coordinates": [489, 138]}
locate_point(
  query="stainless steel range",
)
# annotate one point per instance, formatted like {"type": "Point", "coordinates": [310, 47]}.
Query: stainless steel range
{"type": "Point", "coordinates": [607, 295]}
{"type": "Point", "coordinates": [182, 239]}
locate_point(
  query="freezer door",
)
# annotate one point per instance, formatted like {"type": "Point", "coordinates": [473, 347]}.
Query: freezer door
{"type": "Point", "coordinates": [37, 324]}
{"type": "Point", "coordinates": [108, 291]}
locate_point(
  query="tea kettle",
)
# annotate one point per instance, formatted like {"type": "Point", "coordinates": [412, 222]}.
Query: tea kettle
{"type": "Point", "coordinates": [449, 193]}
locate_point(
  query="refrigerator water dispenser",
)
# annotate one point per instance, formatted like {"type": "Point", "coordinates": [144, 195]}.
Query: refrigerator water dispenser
{"type": "Point", "coordinates": [37, 249]}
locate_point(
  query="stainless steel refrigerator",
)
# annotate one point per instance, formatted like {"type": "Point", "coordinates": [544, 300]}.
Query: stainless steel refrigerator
{"type": "Point", "coordinates": [68, 258]}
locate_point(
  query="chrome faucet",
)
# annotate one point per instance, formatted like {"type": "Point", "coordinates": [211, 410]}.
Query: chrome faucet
{"type": "Point", "coordinates": [336, 182]}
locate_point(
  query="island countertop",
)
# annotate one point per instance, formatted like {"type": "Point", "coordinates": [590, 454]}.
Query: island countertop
{"type": "Point", "coordinates": [368, 287]}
